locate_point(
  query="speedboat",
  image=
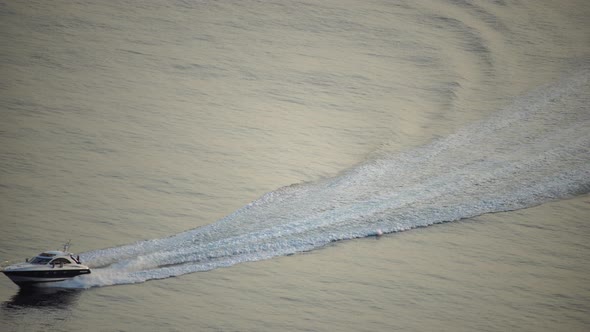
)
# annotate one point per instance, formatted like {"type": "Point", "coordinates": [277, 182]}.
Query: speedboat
{"type": "Point", "coordinates": [48, 266]}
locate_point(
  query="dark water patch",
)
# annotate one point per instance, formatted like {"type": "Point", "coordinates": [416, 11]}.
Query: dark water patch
{"type": "Point", "coordinates": [482, 14]}
{"type": "Point", "coordinates": [468, 38]}
{"type": "Point", "coordinates": [35, 297]}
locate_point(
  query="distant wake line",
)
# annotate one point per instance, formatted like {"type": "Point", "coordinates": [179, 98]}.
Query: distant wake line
{"type": "Point", "coordinates": [537, 149]}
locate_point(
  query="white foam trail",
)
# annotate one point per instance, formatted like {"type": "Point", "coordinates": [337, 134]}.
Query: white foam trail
{"type": "Point", "coordinates": [532, 151]}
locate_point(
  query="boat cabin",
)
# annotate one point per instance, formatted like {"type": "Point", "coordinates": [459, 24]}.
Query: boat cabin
{"type": "Point", "coordinates": [54, 258]}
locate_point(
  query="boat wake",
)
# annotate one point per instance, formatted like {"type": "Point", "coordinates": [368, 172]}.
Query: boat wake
{"type": "Point", "coordinates": [535, 150]}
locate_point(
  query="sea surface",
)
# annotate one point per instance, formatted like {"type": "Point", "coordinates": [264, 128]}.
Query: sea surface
{"type": "Point", "coordinates": [230, 165]}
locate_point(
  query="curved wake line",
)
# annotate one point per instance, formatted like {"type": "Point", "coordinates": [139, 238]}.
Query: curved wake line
{"type": "Point", "coordinates": [533, 151]}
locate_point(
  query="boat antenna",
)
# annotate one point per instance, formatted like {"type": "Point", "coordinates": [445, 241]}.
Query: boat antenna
{"type": "Point", "coordinates": [67, 245]}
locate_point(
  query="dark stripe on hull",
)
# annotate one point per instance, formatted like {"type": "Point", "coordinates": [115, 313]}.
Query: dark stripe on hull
{"type": "Point", "coordinates": [27, 278]}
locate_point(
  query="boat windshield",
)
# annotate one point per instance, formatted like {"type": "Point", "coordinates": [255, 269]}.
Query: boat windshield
{"type": "Point", "coordinates": [40, 260]}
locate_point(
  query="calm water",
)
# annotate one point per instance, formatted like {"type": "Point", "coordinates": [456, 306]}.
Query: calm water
{"type": "Point", "coordinates": [172, 142]}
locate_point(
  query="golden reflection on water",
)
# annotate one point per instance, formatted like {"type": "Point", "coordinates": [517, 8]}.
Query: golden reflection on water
{"type": "Point", "coordinates": [109, 111]}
